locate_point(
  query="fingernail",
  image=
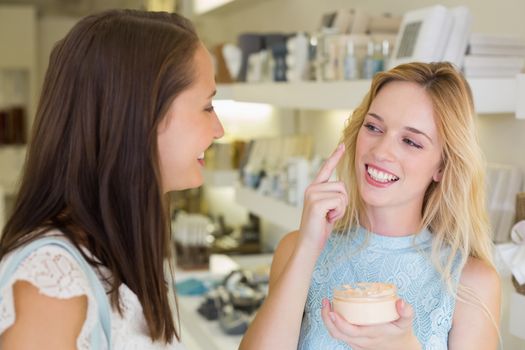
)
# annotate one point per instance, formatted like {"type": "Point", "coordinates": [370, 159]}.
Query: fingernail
{"type": "Point", "coordinates": [324, 303]}
{"type": "Point", "coordinates": [332, 316]}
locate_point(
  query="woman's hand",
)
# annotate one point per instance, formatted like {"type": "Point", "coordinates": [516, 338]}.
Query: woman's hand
{"type": "Point", "coordinates": [387, 336]}
{"type": "Point", "coordinates": [324, 202]}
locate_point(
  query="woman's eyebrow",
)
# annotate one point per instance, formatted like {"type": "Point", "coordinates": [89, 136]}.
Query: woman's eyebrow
{"type": "Point", "coordinates": [408, 128]}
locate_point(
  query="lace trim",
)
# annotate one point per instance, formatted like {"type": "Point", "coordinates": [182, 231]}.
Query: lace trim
{"type": "Point", "coordinates": [56, 274]}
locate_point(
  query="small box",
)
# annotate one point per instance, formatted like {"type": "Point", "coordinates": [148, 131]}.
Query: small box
{"type": "Point", "coordinates": [517, 315]}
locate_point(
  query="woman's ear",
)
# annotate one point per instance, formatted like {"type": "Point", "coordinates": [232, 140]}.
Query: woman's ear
{"type": "Point", "coordinates": [438, 175]}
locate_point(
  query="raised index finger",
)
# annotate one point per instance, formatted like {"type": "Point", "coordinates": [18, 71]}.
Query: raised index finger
{"type": "Point", "coordinates": [328, 167]}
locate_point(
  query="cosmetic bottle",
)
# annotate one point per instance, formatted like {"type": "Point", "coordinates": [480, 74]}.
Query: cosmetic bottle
{"type": "Point", "coordinates": [350, 62]}
{"type": "Point", "coordinates": [373, 61]}
{"type": "Point", "coordinates": [386, 54]}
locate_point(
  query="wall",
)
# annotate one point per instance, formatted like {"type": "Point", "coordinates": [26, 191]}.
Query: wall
{"type": "Point", "coordinates": [50, 30]}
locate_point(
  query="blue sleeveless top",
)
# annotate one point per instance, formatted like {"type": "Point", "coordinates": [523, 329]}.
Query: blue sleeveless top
{"type": "Point", "coordinates": [367, 257]}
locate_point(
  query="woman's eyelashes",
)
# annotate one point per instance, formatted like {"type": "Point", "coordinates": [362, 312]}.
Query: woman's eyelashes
{"type": "Point", "coordinates": [412, 143]}
{"type": "Point", "coordinates": [374, 129]}
{"type": "Point", "coordinates": [209, 109]}
{"type": "Point", "coordinates": [371, 127]}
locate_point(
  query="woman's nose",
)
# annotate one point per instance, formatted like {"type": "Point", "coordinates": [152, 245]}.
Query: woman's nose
{"type": "Point", "coordinates": [218, 128]}
{"type": "Point", "coordinates": [384, 149]}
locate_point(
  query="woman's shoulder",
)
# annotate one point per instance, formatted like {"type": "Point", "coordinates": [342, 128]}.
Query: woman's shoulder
{"type": "Point", "coordinates": [477, 311]}
{"type": "Point", "coordinates": [50, 268]}
{"type": "Point", "coordinates": [48, 279]}
{"type": "Point", "coordinates": [480, 276]}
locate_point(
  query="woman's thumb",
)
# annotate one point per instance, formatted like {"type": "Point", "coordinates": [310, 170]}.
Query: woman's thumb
{"type": "Point", "coordinates": [406, 314]}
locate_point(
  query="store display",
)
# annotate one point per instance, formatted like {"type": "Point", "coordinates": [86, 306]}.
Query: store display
{"type": "Point", "coordinates": [223, 74]}
{"type": "Point", "coordinates": [325, 55]}
{"type": "Point", "coordinates": [191, 286]}
{"type": "Point", "coordinates": [297, 58]}
{"type": "Point", "coordinates": [248, 43]}
{"type": "Point", "coordinates": [243, 240]}
{"type": "Point", "coordinates": [374, 60]}
{"type": "Point", "coordinates": [424, 35]}
{"type": "Point", "coordinates": [233, 59]}
{"type": "Point", "coordinates": [279, 52]}
{"type": "Point", "coordinates": [351, 71]}
{"type": "Point", "coordinates": [494, 56]}
{"type": "Point", "coordinates": [235, 300]}
{"type": "Point", "coordinates": [458, 40]}
{"type": "Point", "coordinates": [279, 167]}
{"type": "Point", "coordinates": [260, 67]}
{"type": "Point", "coordinates": [191, 234]}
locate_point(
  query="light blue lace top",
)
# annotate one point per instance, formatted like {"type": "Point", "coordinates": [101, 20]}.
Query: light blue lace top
{"type": "Point", "coordinates": [403, 261]}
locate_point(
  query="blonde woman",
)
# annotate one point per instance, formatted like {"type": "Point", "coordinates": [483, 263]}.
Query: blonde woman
{"type": "Point", "coordinates": [409, 211]}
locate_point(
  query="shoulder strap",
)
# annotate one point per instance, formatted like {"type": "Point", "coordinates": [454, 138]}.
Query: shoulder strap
{"type": "Point", "coordinates": [104, 326]}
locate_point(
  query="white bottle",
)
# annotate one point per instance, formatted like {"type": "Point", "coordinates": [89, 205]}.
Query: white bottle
{"type": "Point", "coordinates": [350, 62]}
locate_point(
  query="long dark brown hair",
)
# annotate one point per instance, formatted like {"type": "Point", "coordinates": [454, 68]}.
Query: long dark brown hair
{"type": "Point", "coordinates": [92, 165]}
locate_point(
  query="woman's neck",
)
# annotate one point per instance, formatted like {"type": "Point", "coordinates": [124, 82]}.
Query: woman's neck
{"type": "Point", "coordinates": [394, 222]}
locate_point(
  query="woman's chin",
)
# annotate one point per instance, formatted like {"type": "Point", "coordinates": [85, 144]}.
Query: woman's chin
{"type": "Point", "coordinates": [187, 184]}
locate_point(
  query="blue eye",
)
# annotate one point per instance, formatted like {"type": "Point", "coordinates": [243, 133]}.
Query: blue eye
{"type": "Point", "coordinates": [412, 143]}
{"type": "Point", "coordinates": [371, 127]}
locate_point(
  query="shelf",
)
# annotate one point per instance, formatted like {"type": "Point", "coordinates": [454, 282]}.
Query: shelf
{"type": "Point", "coordinates": [222, 7]}
{"type": "Point", "coordinates": [220, 178]}
{"type": "Point", "coordinates": [271, 209]}
{"type": "Point", "coordinates": [302, 95]}
{"type": "Point", "coordinates": [490, 95]}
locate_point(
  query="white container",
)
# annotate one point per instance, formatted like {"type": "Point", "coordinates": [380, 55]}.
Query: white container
{"type": "Point", "coordinates": [366, 303]}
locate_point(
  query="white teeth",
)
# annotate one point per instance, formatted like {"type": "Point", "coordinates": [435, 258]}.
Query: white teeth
{"type": "Point", "coordinates": [201, 156]}
{"type": "Point", "coordinates": [380, 176]}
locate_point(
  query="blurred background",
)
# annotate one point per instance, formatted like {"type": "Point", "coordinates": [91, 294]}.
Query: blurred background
{"type": "Point", "coordinates": [289, 73]}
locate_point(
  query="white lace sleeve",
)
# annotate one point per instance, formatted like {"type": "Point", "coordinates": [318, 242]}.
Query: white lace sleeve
{"type": "Point", "coordinates": [56, 274]}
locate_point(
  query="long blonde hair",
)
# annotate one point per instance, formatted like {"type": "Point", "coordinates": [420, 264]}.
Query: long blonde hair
{"type": "Point", "coordinates": [454, 208]}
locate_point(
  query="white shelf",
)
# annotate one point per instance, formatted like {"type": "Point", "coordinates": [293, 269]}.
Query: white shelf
{"type": "Point", "coordinates": [271, 209]}
{"type": "Point", "coordinates": [302, 95]}
{"type": "Point", "coordinates": [224, 7]}
{"type": "Point", "coordinates": [490, 95]}
{"type": "Point", "coordinates": [220, 178]}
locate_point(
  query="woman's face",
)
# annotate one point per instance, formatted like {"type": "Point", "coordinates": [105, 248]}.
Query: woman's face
{"type": "Point", "coordinates": [398, 151]}
{"type": "Point", "coordinates": [189, 128]}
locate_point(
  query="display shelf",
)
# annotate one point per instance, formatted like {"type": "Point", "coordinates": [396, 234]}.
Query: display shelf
{"type": "Point", "coordinates": [197, 332]}
{"type": "Point", "coordinates": [271, 209]}
{"type": "Point", "coordinates": [220, 178]}
{"type": "Point", "coordinates": [490, 95]}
